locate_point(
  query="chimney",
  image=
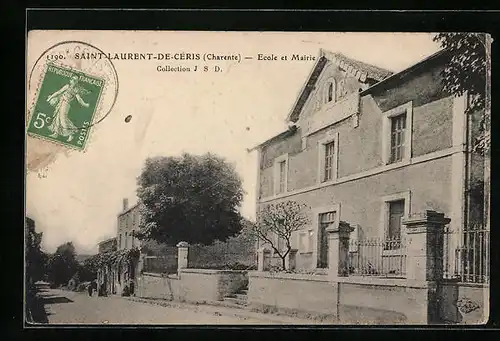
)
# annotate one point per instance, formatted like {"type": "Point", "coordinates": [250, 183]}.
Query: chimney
{"type": "Point", "coordinates": [125, 204]}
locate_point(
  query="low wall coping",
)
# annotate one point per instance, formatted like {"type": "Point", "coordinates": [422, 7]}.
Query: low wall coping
{"type": "Point", "coordinates": [389, 282]}
{"type": "Point", "coordinates": [373, 281]}
{"type": "Point", "coordinates": [474, 285]}
{"type": "Point", "coordinates": [210, 271]}
{"type": "Point", "coordinates": [292, 276]}
{"type": "Point", "coordinates": [155, 274]}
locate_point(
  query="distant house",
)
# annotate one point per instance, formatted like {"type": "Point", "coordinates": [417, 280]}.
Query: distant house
{"type": "Point", "coordinates": [108, 245]}
{"type": "Point", "coordinates": [115, 277]}
{"type": "Point", "coordinates": [128, 226]}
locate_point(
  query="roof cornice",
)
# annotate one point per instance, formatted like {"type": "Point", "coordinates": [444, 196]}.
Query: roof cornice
{"type": "Point", "coordinates": [360, 70]}
{"type": "Point", "coordinates": [403, 73]}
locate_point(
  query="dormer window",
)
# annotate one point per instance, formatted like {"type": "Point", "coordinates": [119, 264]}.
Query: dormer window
{"type": "Point", "coordinates": [330, 91]}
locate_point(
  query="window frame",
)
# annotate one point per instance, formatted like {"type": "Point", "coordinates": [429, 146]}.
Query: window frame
{"type": "Point", "coordinates": [330, 84]}
{"type": "Point", "coordinates": [398, 129]}
{"type": "Point", "coordinates": [328, 165]}
{"type": "Point", "coordinates": [389, 221]}
{"type": "Point", "coordinates": [322, 144]}
{"type": "Point", "coordinates": [385, 217]}
{"type": "Point", "coordinates": [277, 175]}
{"type": "Point", "coordinates": [387, 119]}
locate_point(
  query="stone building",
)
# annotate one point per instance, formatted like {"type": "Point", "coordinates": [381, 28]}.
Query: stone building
{"type": "Point", "coordinates": [120, 272]}
{"type": "Point", "coordinates": [107, 245]}
{"type": "Point", "coordinates": [369, 147]}
{"type": "Point", "coordinates": [128, 226]}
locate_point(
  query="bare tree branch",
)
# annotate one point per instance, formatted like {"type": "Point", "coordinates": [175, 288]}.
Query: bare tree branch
{"type": "Point", "coordinates": [280, 220]}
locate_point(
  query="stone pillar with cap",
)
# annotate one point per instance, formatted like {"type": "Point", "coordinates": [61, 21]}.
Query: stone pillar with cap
{"type": "Point", "coordinates": [338, 249]}
{"type": "Point", "coordinates": [424, 261]}
{"type": "Point", "coordinates": [424, 267]}
{"type": "Point", "coordinates": [182, 255]}
{"type": "Point", "coordinates": [263, 259]}
{"type": "Point", "coordinates": [290, 260]}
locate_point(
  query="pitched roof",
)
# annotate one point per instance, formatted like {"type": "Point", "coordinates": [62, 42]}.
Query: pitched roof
{"type": "Point", "coordinates": [372, 71]}
{"type": "Point", "coordinates": [129, 209]}
{"type": "Point", "coordinates": [107, 240]}
{"type": "Point", "coordinates": [290, 131]}
{"type": "Point", "coordinates": [355, 68]}
{"type": "Point", "coordinates": [436, 57]}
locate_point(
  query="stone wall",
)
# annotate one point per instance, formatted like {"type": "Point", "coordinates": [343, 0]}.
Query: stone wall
{"type": "Point", "coordinates": [306, 293]}
{"type": "Point", "coordinates": [153, 285]}
{"type": "Point", "coordinates": [351, 300]}
{"type": "Point", "coordinates": [383, 301]}
{"type": "Point", "coordinates": [476, 296]}
{"type": "Point", "coordinates": [191, 285]}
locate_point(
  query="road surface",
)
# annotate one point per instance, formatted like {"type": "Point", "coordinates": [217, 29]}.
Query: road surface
{"type": "Point", "coordinates": [66, 307]}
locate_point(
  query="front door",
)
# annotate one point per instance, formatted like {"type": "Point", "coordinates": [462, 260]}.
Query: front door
{"type": "Point", "coordinates": [325, 220]}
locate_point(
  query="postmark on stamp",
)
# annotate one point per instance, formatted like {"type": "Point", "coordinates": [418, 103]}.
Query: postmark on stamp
{"type": "Point", "coordinates": [71, 88]}
{"type": "Point", "coordinates": [66, 105]}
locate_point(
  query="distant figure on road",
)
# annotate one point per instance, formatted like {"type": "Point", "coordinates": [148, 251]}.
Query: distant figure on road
{"type": "Point", "coordinates": [91, 287]}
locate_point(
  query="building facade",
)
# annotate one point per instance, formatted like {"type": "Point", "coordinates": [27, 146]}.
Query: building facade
{"type": "Point", "coordinates": [128, 226]}
{"type": "Point", "coordinates": [369, 147]}
{"type": "Point", "coordinates": [121, 275]}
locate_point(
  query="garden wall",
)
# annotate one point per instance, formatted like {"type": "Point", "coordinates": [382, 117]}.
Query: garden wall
{"type": "Point", "coordinates": [305, 293]}
{"type": "Point", "coordinates": [349, 299]}
{"type": "Point", "coordinates": [474, 301]}
{"type": "Point", "coordinates": [191, 285]}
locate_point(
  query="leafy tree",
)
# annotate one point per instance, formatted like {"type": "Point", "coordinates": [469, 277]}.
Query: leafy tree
{"type": "Point", "coordinates": [189, 198]}
{"type": "Point", "coordinates": [277, 223]}
{"type": "Point", "coordinates": [36, 259]}
{"type": "Point", "coordinates": [62, 264]}
{"type": "Point", "coordinates": [466, 70]}
{"type": "Point", "coordinates": [88, 270]}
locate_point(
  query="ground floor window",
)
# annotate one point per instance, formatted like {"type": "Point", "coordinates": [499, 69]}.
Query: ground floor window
{"type": "Point", "coordinates": [396, 213]}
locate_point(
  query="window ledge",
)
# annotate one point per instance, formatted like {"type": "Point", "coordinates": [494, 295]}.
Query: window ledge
{"type": "Point", "coordinates": [327, 182]}
{"type": "Point", "coordinates": [402, 161]}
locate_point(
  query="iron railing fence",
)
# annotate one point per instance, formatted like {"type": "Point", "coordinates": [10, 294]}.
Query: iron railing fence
{"type": "Point", "coordinates": [469, 259]}
{"type": "Point", "coordinates": [160, 264]}
{"type": "Point", "coordinates": [377, 257]}
{"type": "Point", "coordinates": [473, 256]}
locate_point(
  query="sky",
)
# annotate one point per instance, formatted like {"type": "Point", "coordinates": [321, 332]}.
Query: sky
{"type": "Point", "coordinates": [174, 112]}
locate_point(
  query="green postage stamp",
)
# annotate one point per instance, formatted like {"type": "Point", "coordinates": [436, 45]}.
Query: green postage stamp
{"type": "Point", "coordinates": [65, 107]}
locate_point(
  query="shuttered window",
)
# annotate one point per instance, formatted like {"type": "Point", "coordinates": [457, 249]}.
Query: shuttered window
{"type": "Point", "coordinates": [398, 127]}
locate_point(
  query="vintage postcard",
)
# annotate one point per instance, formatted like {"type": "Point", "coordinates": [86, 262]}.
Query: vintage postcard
{"type": "Point", "coordinates": [257, 178]}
